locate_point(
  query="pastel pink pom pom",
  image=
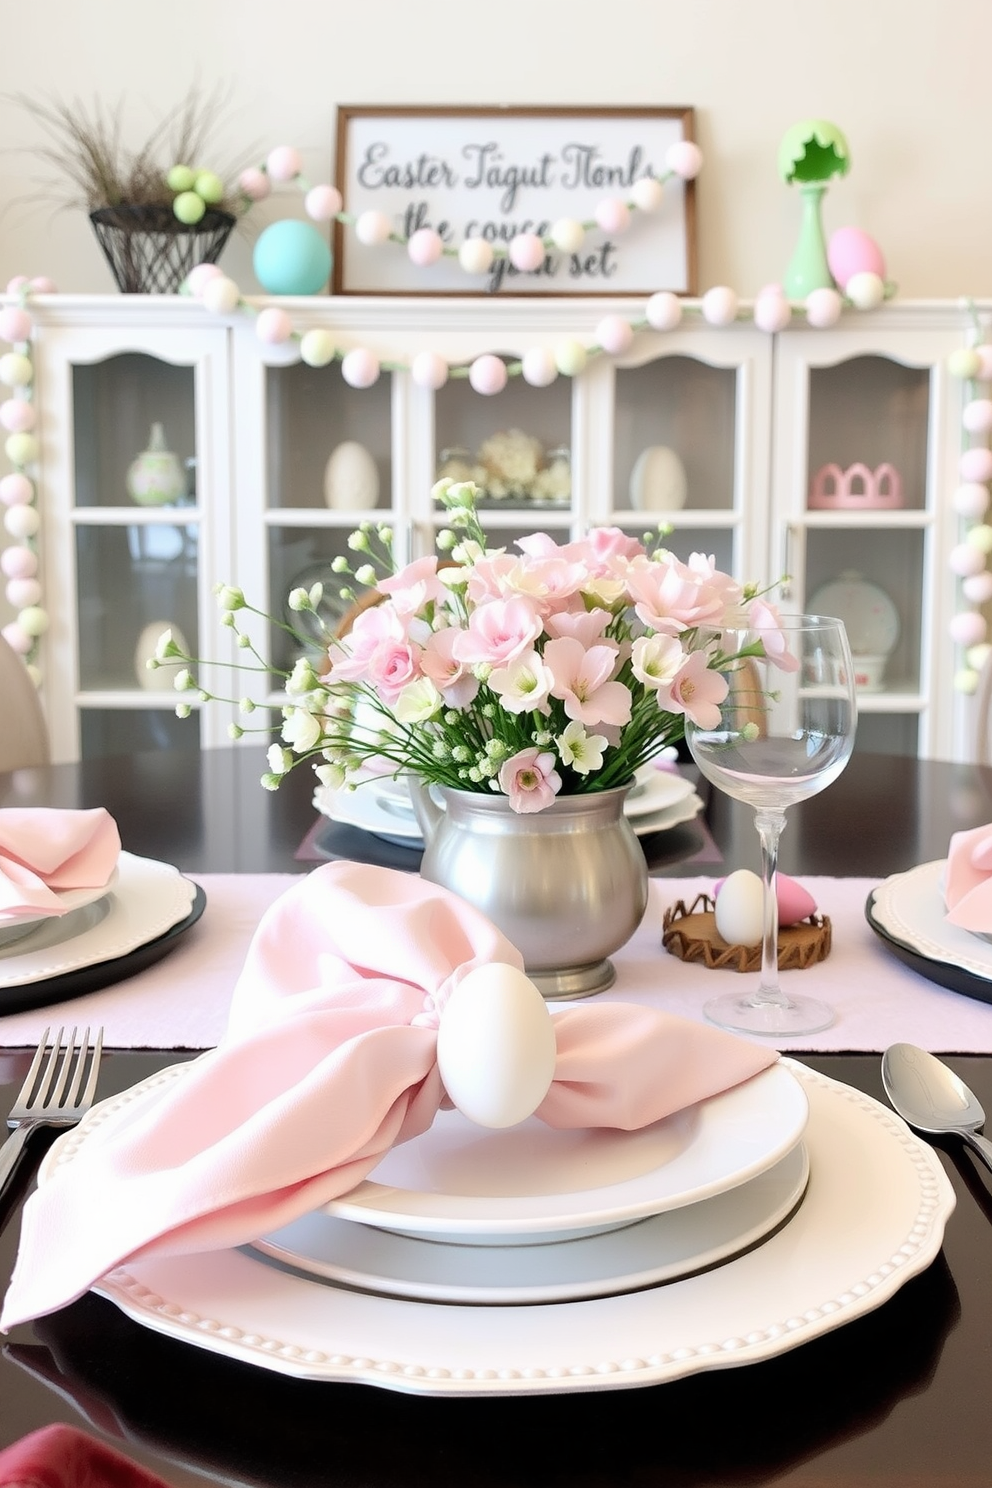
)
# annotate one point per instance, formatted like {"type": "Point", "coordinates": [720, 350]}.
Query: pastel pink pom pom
{"type": "Point", "coordinates": [372, 228]}
{"type": "Point", "coordinates": [971, 500]}
{"type": "Point", "coordinates": [965, 560]}
{"type": "Point", "coordinates": [968, 628]}
{"type": "Point", "coordinates": [719, 305]}
{"type": "Point", "coordinates": [429, 370]}
{"type": "Point", "coordinates": [197, 279]}
{"type": "Point", "coordinates": [538, 367]}
{"type": "Point", "coordinates": [684, 158]}
{"type": "Point", "coordinates": [977, 416]}
{"type": "Point", "coordinates": [526, 252]}
{"type": "Point", "coordinates": [615, 334]}
{"type": "Point", "coordinates": [41, 284]}
{"type": "Point", "coordinates": [823, 307]}
{"type": "Point", "coordinates": [487, 374]}
{"type": "Point", "coordinates": [283, 163]}
{"type": "Point", "coordinates": [613, 215]}
{"type": "Point", "coordinates": [16, 490]}
{"type": "Point", "coordinates": [322, 203]}
{"type": "Point", "coordinates": [976, 464]}
{"type": "Point", "coordinates": [18, 416]}
{"type": "Point", "coordinates": [254, 183]}
{"type": "Point", "coordinates": [772, 311]}
{"type": "Point", "coordinates": [22, 563]}
{"type": "Point", "coordinates": [15, 324]}
{"type": "Point", "coordinates": [977, 588]}
{"type": "Point", "coordinates": [17, 638]}
{"type": "Point", "coordinates": [663, 310]}
{"type": "Point", "coordinates": [360, 368]}
{"type": "Point", "coordinates": [23, 592]}
{"type": "Point", "coordinates": [273, 326]}
{"type": "Point", "coordinates": [984, 355]}
{"type": "Point", "coordinates": [19, 282]}
{"type": "Point", "coordinates": [425, 247]}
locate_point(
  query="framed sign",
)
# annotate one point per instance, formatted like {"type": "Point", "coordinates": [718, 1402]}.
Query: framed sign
{"type": "Point", "coordinates": [495, 173]}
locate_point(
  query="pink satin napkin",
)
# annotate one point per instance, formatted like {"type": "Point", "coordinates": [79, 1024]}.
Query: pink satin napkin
{"type": "Point", "coordinates": [43, 849]}
{"type": "Point", "coordinates": [328, 1060]}
{"type": "Point", "coordinates": [63, 1457]}
{"type": "Point", "coordinates": [968, 880]}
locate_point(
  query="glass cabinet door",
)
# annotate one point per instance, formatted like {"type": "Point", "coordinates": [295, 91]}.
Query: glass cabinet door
{"type": "Point", "coordinates": [127, 468]}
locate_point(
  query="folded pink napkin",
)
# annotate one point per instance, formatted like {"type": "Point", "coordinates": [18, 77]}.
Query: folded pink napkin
{"type": "Point", "coordinates": [968, 880]}
{"type": "Point", "coordinates": [44, 849]}
{"type": "Point", "coordinates": [330, 1059]}
{"type": "Point", "coordinates": [64, 1457]}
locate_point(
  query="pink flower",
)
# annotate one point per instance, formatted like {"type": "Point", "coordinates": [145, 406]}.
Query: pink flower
{"type": "Point", "coordinates": [453, 680]}
{"type": "Point", "coordinates": [582, 681]}
{"type": "Point", "coordinates": [697, 691]}
{"type": "Point", "coordinates": [600, 548]}
{"type": "Point", "coordinates": [391, 666]}
{"type": "Point", "coordinates": [498, 632]}
{"type": "Point", "coordinates": [350, 656]}
{"type": "Point", "coordinates": [530, 779]}
{"type": "Point", "coordinates": [584, 625]}
{"type": "Point", "coordinates": [413, 586]}
{"type": "Point", "coordinates": [764, 619]}
{"type": "Point", "coordinates": [670, 596]}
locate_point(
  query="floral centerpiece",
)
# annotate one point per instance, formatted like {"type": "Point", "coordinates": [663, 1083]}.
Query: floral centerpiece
{"type": "Point", "coordinates": [555, 670]}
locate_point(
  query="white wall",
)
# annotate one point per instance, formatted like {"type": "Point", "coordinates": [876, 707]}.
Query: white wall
{"type": "Point", "coordinates": [906, 80]}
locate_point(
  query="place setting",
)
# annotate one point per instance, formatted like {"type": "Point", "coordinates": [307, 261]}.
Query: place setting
{"type": "Point", "coordinates": [76, 911]}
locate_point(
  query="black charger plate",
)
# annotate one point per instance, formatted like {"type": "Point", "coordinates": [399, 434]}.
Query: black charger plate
{"type": "Point", "coordinates": [954, 978]}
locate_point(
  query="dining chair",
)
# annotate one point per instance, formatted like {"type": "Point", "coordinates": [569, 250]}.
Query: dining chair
{"type": "Point", "coordinates": [23, 729]}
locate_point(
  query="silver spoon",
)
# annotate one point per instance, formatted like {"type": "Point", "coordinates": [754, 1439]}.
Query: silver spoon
{"type": "Point", "coordinates": [932, 1098]}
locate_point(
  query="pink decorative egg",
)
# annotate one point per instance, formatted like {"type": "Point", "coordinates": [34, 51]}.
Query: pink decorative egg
{"type": "Point", "coordinates": [851, 251]}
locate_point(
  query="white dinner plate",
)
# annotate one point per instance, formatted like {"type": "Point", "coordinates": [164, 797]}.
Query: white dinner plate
{"type": "Point", "coordinates": [653, 1250]}
{"type": "Point", "coordinates": [532, 1181]}
{"type": "Point", "coordinates": [910, 908]}
{"type": "Point", "coordinates": [147, 900]}
{"type": "Point", "coordinates": [872, 1218]}
{"type": "Point", "coordinates": [14, 927]}
{"type": "Point", "coordinates": [654, 790]}
{"type": "Point", "coordinates": [672, 816]}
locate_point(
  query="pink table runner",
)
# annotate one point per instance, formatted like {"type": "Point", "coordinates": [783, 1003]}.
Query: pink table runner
{"type": "Point", "coordinates": [182, 1002]}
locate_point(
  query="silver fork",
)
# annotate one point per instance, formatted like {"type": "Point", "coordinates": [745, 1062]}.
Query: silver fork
{"type": "Point", "coordinates": [54, 1093]}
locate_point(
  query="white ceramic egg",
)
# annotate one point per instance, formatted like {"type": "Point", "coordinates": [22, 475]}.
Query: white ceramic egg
{"type": "Point", "coordinates": [658, 480]}
{"type": "Point", "coordinates": [739, 912]}
{"type": "Point", "coordinates": [160, 678]}
{"type": "Point", "coordinates": [351, 480]}
{"type": "Point", "coordinates": [496, 1046]}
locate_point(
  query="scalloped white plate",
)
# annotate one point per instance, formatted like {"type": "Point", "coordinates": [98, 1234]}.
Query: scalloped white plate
{"type": "Point", "coordinates": [15, 927]}
{"type": "Point", "coordinates": [910, 907]}
{"type": "Point", "coordinates": [873, 1217]}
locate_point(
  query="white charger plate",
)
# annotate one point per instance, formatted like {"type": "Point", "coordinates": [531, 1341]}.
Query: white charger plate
{"type": "Point", "coordinates": [147, 900]}
{"type": "Point", "coordinates": [672, 816]}
{"type": "Point", "coordinates": [460, 1182]}
{"type": "Point", "coordinates": [14, 927]}
{"type": "Point", "coordinates": [910, 908]}
{"type": "Point", "coordinates": [653, 1250]}
{"type": "Point", "coordinates": [873, 1217]}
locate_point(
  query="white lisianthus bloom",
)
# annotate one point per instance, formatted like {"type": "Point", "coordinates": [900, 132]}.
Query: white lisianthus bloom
{"type": "Point", "coordinates": [655, 660]}
{"type": "Point", "coordinates": [165, 647]}
{"type": "Point", "coordinates": [330, 775]}
{"type": "Point", "coordinates": [584, 752]}
{"type": "Point", "coordinates": [183, 681]}
{"type": "Point", "coordinates": [604, 592]}
{"type": "Point", "coordinates": [418, 701]}
{"type": "Point", "coordinates": [280, 760]}
{"type": "Point", "coordinates": [301, 730]}
{"type": "Point", "coordinates": [524, 685]}
{"type": "Point", "coordinates": [301, 679]}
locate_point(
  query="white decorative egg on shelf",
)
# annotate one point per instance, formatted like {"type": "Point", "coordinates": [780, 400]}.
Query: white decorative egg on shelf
{"type": "Point", "coordinates": [658, 481]}
{"type": "Point", "coordinates": [351, 480]}
{"type": "Point", "coordinates": [160, 678]}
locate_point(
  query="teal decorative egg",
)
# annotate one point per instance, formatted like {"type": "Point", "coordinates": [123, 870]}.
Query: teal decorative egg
{"type": "Point", "coordinates": [292, 258]}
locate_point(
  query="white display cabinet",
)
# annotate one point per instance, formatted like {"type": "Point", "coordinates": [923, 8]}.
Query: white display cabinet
{"type": "Point", "coordinates": [867, 442]}
{"type": "Point", "coordinates": [744, 419]}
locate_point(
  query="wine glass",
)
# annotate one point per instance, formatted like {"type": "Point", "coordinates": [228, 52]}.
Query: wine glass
{"type": "Point", "coordinates": [785, 731]}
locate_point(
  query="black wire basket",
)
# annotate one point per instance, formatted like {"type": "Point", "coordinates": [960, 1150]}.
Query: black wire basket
{"type": "Point", "coordinates": [151, 252]}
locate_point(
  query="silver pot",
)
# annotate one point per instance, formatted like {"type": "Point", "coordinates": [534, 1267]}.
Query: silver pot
{"type": "Point", "coordinates": [567, 885]}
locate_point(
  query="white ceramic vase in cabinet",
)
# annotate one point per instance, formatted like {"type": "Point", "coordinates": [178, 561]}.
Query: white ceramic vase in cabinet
{"type": "Point", "coordinates": [867, 438]}
{"type": "Point", "coordinates": [114, 569]}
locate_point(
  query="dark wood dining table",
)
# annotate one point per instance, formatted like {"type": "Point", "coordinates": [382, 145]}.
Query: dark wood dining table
{"type": "Point", "coordinates": [898, 1398]}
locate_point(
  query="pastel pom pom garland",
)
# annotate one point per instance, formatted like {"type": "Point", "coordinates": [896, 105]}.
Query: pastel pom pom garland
{"type": "Point", "coordinates": [968, 559]}
{"type": "Point", "coordinates": [19, 562]}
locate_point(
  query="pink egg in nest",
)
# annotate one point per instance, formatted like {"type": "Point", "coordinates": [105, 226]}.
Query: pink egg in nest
{"type": "Point", "coordinates": [794, 902]}
{"type": "Point", "coordinates": [851, 251]}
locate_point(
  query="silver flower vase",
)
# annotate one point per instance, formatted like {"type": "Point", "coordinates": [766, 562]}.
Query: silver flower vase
{"type": "Point", "coordinates": [567, 885]}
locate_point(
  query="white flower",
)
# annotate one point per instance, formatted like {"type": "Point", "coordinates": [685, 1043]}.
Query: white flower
{"type": "Point", "coordinates": [655, 660]}
{"type": "Point", "coordinates": [584, 752]}
{"type": "Point", "coordinates": [330, 775]}
{"type": "Point", "coordinates": [418, 701]}
{"type": "Point", "coordinates": [524, 685]}
{"type": "Point", "coordinates": [604, 592]}
{"type": "Point", "coordinates": [280, 760]}
{"type": "Point", "coordinates": [301, 679]}
{"type": "Point", "coordinates": [301, 731]}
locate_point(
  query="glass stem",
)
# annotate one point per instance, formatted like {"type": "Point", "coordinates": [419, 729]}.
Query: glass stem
{"type": "Point", "coordinates": [770, 824]}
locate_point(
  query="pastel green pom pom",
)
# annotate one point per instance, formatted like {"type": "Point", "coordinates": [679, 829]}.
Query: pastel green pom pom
{"type": "Point", "coordinates": [209, 186]}
{"type": "Point", "coordinates": [180, 178]}
{"type": "Point", "coordinates": [189, 207]}
{"type": "Point", "coordinates": [964, 363]}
